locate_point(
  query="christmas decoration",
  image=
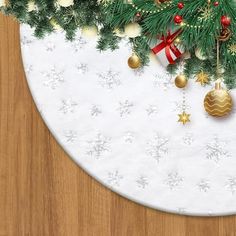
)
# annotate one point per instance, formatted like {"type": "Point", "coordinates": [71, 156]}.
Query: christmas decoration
{"type": "Point", "coordinates": [184, 118]}
{"type": "Point", "coordinates": [218, 102]}
{"type": "Point", "coordinates": [181, 81]}
{"type": "Point", "coordinates": [90, 31]}
{"type": "Point", "coordinates": [133, 30]}
{"type": "Point", "coordinates": [178, 19]}
{"type": "Point", "coordinates": [202, 78]}
{"type": "Point", "coordinates": [134, 61]}
{"type": "Point", "coordinates": [225, 21]}
{"type": "Point", "coordinates": [65, 3]}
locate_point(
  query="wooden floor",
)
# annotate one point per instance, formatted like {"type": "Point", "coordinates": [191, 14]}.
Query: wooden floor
{"type": "Point", "coordinates": [42, 192]}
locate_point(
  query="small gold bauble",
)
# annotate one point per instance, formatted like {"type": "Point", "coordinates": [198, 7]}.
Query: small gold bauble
{"type": "Point", "coordinates": [134, 62]}
{"type": "Point", "coordinates": [181, 81]}
{"type": "Point", "coordinates": [218, 102]}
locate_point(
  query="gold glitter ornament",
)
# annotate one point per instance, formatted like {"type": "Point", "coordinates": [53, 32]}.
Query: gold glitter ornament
{"type": "Point", "coordinates": [134, 61]}
{"type": "Point", "coordinates": [181, 81]}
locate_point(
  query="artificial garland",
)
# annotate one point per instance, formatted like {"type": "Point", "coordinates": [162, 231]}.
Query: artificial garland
{"type": "Point", "coordinates": [197, 36]}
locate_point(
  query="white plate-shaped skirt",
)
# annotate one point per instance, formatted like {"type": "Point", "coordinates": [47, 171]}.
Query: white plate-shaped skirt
{"type": "Point", "coordinates": [121, 126]}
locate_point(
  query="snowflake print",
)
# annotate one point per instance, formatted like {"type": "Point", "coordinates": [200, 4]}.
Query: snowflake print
{"type": "Point", "coordinates": [50, 46]}
{"type": "Point", "coordinates": [173, 180]}
{"type": "Point", "coordinates": [70, 136]}
{"type": "Point", "coordinates": [231, 185]}
{"type": "Point", "coordinates": [152, 110]}
{"type": "Point", "coordinates": [95, 111]}
{"type": "Point", "coordinates": [129, 137]}
{"type": "Point", "coordinates": [99, 146]}
{"type": "Point", "coordinates": [82, 68]}
{"type": "Point", "coordinates": [216, 151]}
{"type": "Point", "coordinates": [109, 80]}
{"type": "Point", "coordinates": [157, 147]}
{"type": "Point", "coordinates": [142, 182]}
{"type": "Point", "coordinates": [125, 108]}
{"type": "Point", "coordinates": [114, 178]}
{"type": "Point", "coordinates": [188, 139]}
{"type": "Point", "coordinates": [78, 43]}
{"type": "Point", "coordinates": [203, 186]}
{"type": "Point", "coordinates": [53, 78]}
{"type": "Point", "coordinates": [178, 107]}
{"type": "Point", "coordinates": [139, 72]}
{"type": "Point", "coordinates": [163, 81]}
{"type": "Point", "coordinates": [25, 41]}
{"type": "Point", "coordinates": [68, 106]}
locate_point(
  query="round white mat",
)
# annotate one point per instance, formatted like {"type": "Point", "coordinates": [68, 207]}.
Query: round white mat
{"type": "Point", "coordinates": [121, 126]}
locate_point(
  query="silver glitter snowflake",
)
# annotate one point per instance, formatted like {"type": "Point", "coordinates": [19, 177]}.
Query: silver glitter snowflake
{"type": "Point", "coordinates": [231, 184]}
{"type": "Point", "coordinates": [95, 110]}
{"type": "Point", "coordinates": [157, 147]}
{"type": "Point", "coordinates": [152, 110]}
{"type": "Point", "coordinates": [98, 146]}
{"type": "Point", "coordinates": [203, 186]}
{"type": "Point", "coordinates": [50, 46]}
{"type": "Point", "coordinates": [82, 68]}
{"type": "Point", "coordinates": [70, 136]}
{"type": "Point", "coordinates": [173, 180]}
{"type": "Point", "coordinates": [125, 108]}
{"type": "Point", "coordinates": [142, 182]}
{"type": "Point", "coordinates": [109, 79]}
{"type": "Point", "coordinates": [129, 137]}
{"type": "Point", "coordinates": [215, 150]}
{"type": "Point", "coordinates": [25, 41]}
{"type": "Point", "coordinates": [188, 138]}
{"type": "Point", "coordinates": [163, 81]}
{"type": "Point", "coordinates": [78, 43]}
{"type": "Point", "coordinates": [53, 78]}
{"type": "Point", "coordinates": [114, 178]}
{"type": "Point", "coordinates": [68, 106]}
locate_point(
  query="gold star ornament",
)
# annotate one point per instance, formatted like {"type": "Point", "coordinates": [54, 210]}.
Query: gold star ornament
{"type": "Point", "coordinates": [202, 78]}
{"type": "Point", "coordinates": [184, 117]}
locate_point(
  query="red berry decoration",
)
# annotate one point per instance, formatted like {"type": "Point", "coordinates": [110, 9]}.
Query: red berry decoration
{"type": "Point", "coordinates": [225, 21]}
{"type": "Point", "coordinates": [178, 19]}
{"type": "Point", "coordinates": [180, 5]}
{"type": "Point", "coordinates": [216, 4]}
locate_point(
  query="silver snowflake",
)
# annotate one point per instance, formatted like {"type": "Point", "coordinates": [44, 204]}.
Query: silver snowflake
{"type": "Point", "coordinates": [50, 46]}
{"type": "Point", "coordinates": [70, 136]}
{"type": "Point", "coordinates": [173, 180]}
{"type": "Point", "coordinates": [231, 184]}
{"type": "Point", "coordinates": [152, 110]}
{"type": "Point", "coordinates": [129, 137]}
{"type": "Point", "coordinates": [25, 41]}
{"type": "Point", "coordinates": [109, 79]}
{"type": "Point", "coordinates": [163, 81]}
{"type": "Point", "coordinates": [139, 72]}
{"type": "Point", "coordinates": [99, 146]}
{"type": "Point", "coordinates": [28, 69]}
{"type": "Point", "coordinates": [157, 147]}
{"type": "Point", "coordinates": [142, 182]}
{"type": "Point", "coordinates": [95, 111]}
{"type": "Point", "coordinates": [188, 138]}
{"type": "Point", "coordinates": [82, 68]}
{"type": "Point", "coordinates": [203, 186]}
{"type": "Point", "coordinates": [215, 150]}
{"type": "Point", "coordinates": [68, 106]}
{"type": "Point", "coordinates": [78, 43]}
{"type": "Point", "coordinates": [53, 78]}
{"type": "Point", "coordinates": [178, 107]}
{"type": "Point", "coordinates": [114, 178]}
{"type": "Point", "coordinates": [125, 108]}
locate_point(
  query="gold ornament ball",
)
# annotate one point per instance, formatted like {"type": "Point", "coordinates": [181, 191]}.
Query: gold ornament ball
{"type": "Point", "coordinates": [218, 102]}
{"type": "Point", "coordinates": [134, 62]}
{"type": "Point", "coordinates": [181, 81]}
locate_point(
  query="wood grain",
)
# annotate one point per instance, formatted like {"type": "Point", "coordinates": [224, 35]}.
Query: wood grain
{"type": "Point", "coordinates": [43, 192]}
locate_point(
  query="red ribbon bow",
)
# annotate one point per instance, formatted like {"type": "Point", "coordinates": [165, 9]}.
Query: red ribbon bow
{"type": "Point", "coordinates": [167, 43]}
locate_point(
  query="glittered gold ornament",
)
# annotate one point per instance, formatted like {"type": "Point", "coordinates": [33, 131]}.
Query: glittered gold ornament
{"type": "Point", "coordinates": [218, 102]}
{"type": "Point", "coordinates": [202, 78]}
{"type": "Point", "coordinates": [134, 62]}
{"type": "Point", "coordinates": [184, 117]}
{"type": "Point", "coordinates": [181, 81]}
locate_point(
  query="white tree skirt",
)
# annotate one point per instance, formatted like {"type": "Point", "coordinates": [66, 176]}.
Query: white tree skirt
{"type": "Point", "coordinates": [121, 126]}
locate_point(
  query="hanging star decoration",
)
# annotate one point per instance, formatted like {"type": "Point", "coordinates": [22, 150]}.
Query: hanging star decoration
{"type": "Point", "coordinates": [184, 117]}
{"type": "Point", "coordinates": [202, 78]}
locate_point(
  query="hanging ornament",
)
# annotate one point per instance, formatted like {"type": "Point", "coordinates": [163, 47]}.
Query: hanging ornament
{"type": "Point", "coordinates": [180, 5]}
{"type": "Point", "coordinates": [225, 34]}
{"type": "Point", "coordinates": [218, 102]}
{"type": "Point", "coordinates": [178, 19]}
{"type": "Point", "coordinates": [119, 33]}
{"type": "Point", "coordinates": [181, 81]}
{"type": "Point", "coordinates": [133, 30]}
{"type": "Point", "coordinates": [216, 4]}
{"type": "Point", "coordinates": [202, 78]}
{"type": "Point", "coordinates": [199, 54]}
{"type": "Point", "coordinates": [134, 61]}
{"type": "Point", "coordinates": [225, 21]}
